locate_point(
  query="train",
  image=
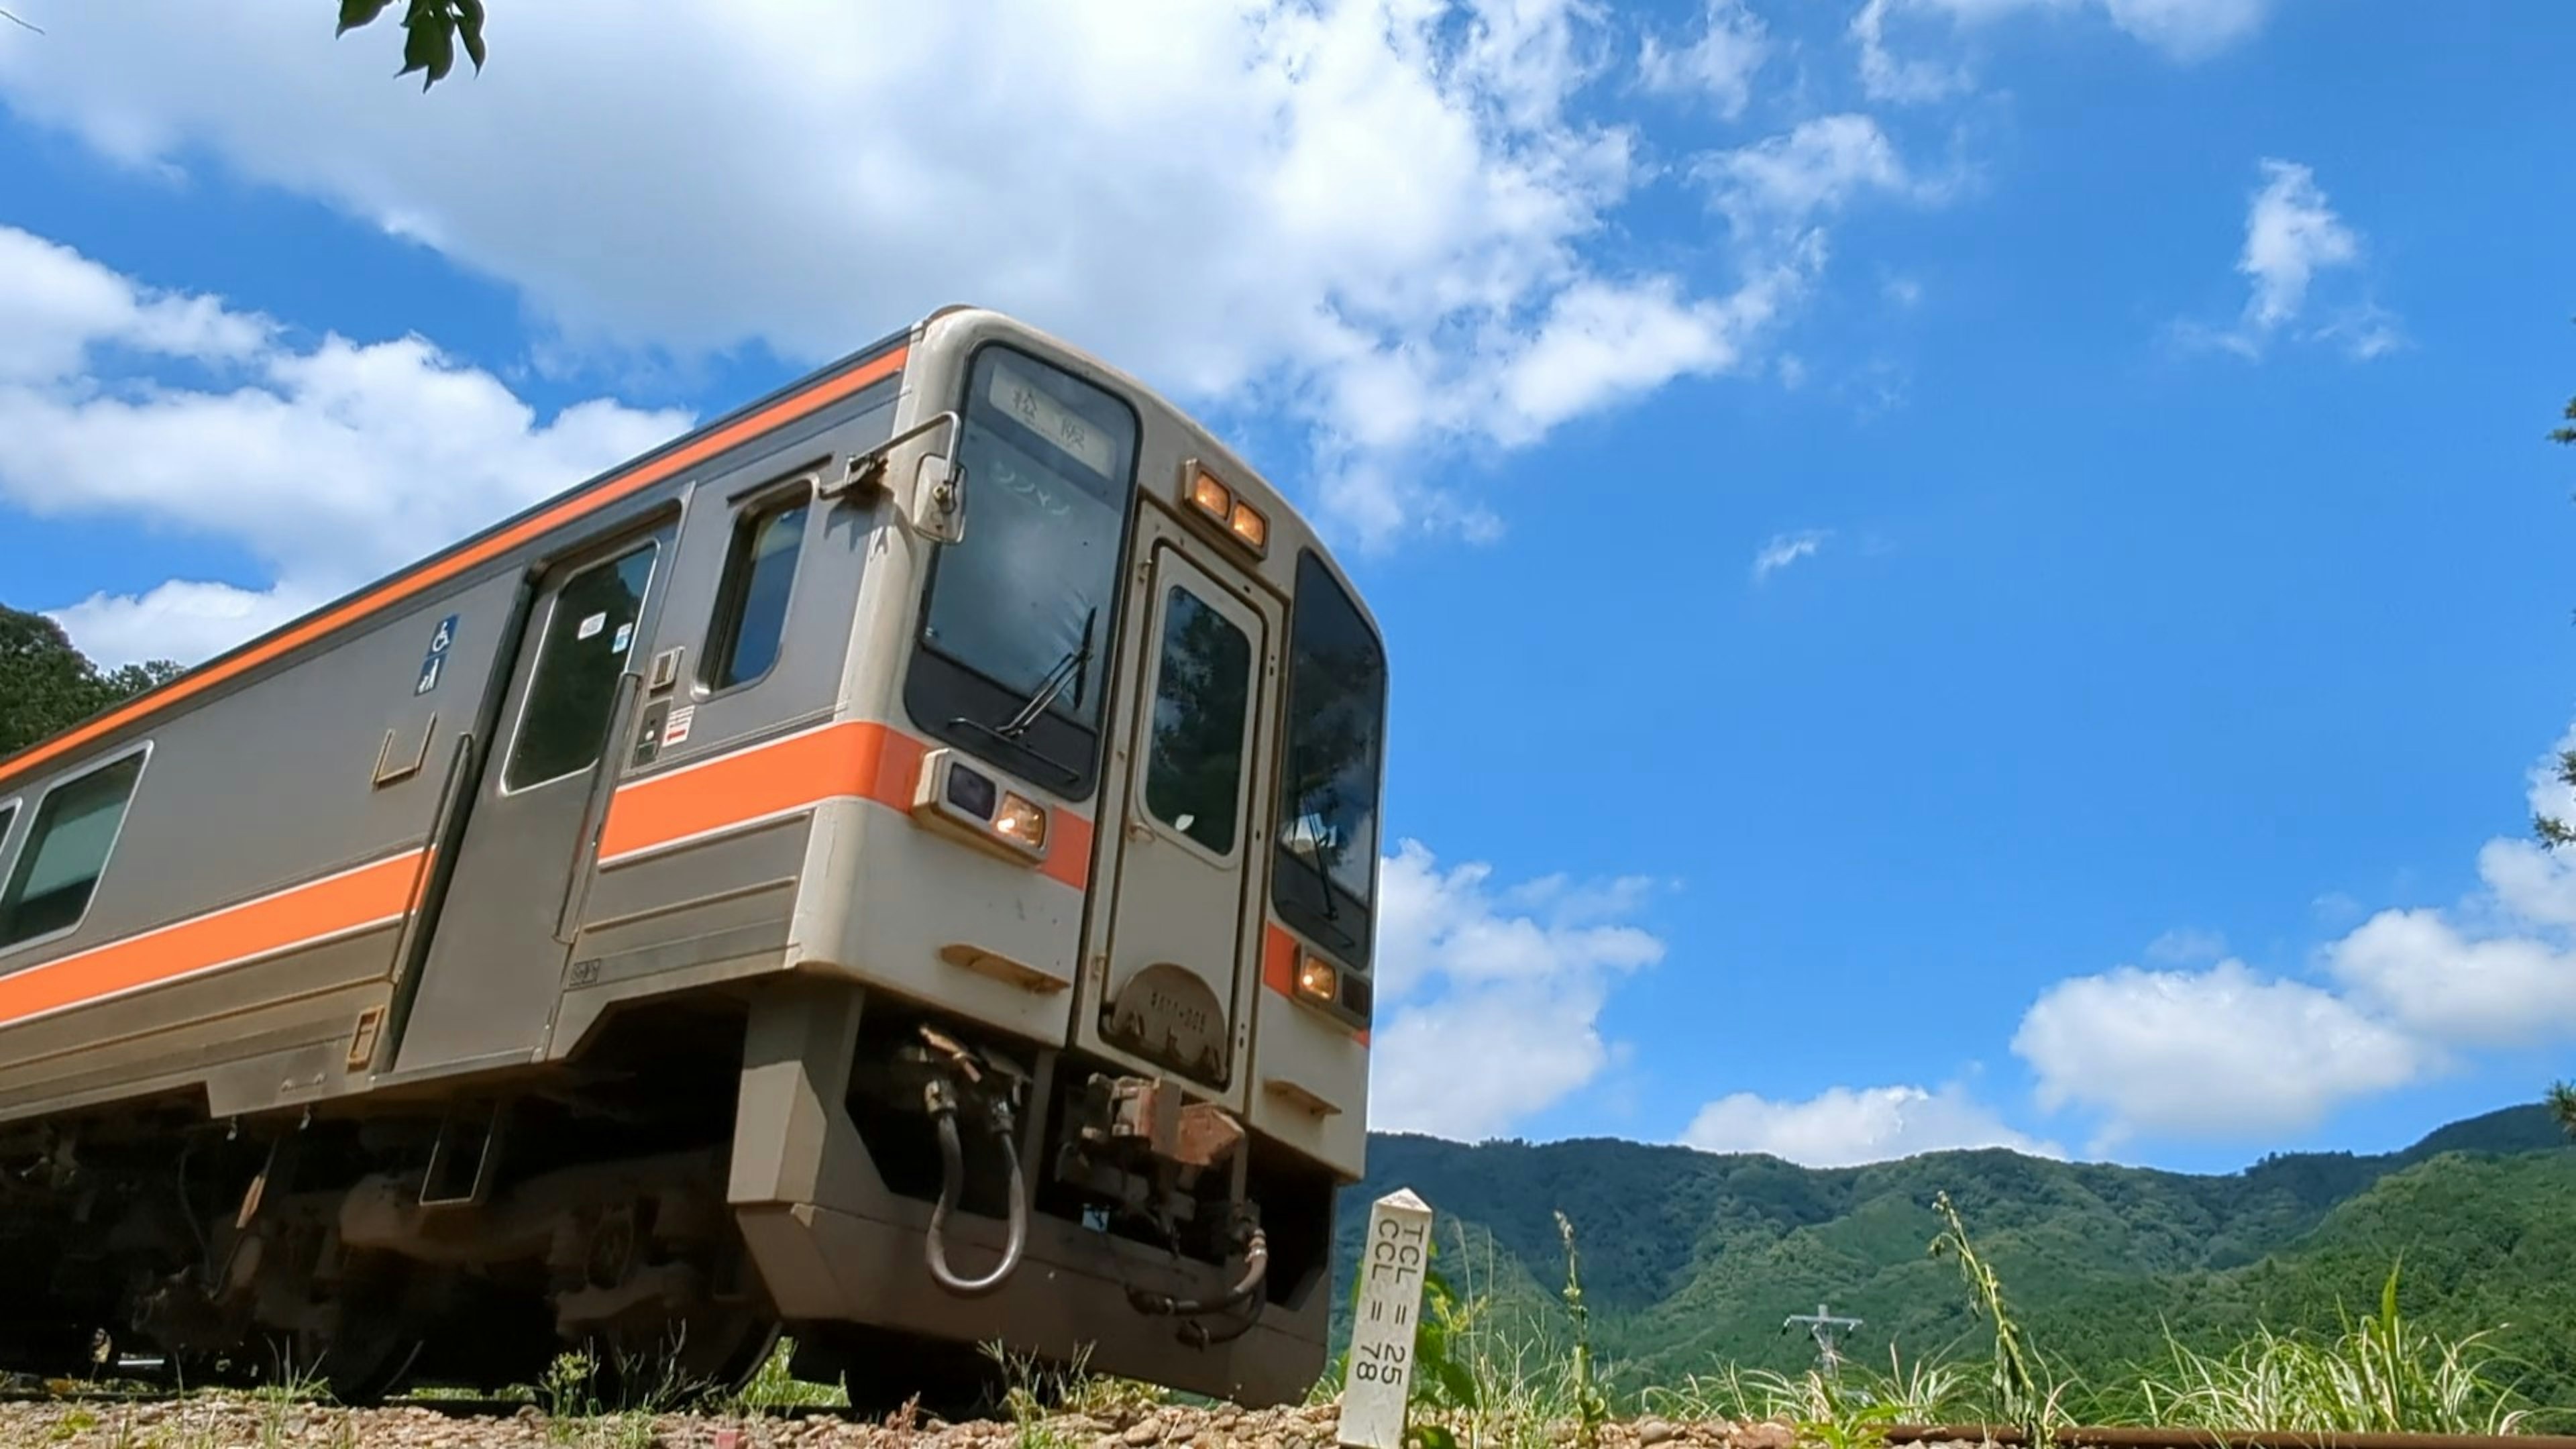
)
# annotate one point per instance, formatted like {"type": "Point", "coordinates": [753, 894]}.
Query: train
{"type": "Point", "coordinates": [893, 868]}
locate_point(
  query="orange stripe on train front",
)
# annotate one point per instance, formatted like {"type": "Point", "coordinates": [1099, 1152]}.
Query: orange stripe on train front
{"type": "Point", "coordinates": [372, 895]}
{"type": "Point", "coordinates": [863, 760]}
{"type": "Point", "coordinates": [436, 571]}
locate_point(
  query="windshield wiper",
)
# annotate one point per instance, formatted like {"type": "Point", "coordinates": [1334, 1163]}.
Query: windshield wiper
{"type": "Point", "coordinates": [1051, 686]}
{"type": "Point", "coordinates": [1011, 730]}
{"type": "Point", "coordinates": [1071, 775]}
{"type": "Point", "coordinates": [1315, 863]}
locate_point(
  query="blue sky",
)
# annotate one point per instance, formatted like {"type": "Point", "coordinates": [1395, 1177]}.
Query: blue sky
{"type": "Point", "coordinates": [1957, 571]}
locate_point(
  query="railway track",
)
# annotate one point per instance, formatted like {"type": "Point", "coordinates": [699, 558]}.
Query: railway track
{"type": "Point", "coordinates": [2144, 1437]}
{"type": "Point", "coordinates": [451, 1408]}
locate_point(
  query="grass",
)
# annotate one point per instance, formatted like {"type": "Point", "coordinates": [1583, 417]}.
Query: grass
{"type": "Point", "coordinates": [2382, 1374]}
{"type": "Point", "coordinates": [1497, 1371]}
{"type": "Point", "coordinates": [1518, 1381]}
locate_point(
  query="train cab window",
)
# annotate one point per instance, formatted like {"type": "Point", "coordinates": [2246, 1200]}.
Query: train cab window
{"type": "Point", "coordinates": [1017, 628]}
{"type": "Point", "coordinates": [1194, 771]}
{"type": "Point", "coordinates": [564, 720]}
{"type": "Point", "coordinates": [8, 817]}
{"type": "Point", "coordinates": [751, 604]}
{"type": "Point", "coordinates": [1324, 882]}
{"type": "Point", "coordinates": [66, 851]}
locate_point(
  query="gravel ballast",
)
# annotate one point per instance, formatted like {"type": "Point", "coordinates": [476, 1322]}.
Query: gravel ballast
{"type": "Point", "coordinates": [221, 1422]}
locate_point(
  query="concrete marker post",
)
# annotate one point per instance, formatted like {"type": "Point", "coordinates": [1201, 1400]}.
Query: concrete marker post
{"type": "Point", "coordinates": [1388, 1308]}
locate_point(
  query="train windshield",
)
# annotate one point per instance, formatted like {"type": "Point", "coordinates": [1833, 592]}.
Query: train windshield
{"type": "Point", "coordinates": [1325, 881]}
{"type": "Point", "coordinates": [1022, 605]}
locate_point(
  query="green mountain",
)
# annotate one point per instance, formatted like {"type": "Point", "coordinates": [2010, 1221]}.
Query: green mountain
{"type": "Point", "coordinates": [1693, 1259]}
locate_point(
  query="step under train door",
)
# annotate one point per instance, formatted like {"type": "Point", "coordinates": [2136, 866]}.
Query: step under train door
{"type": "Point", "coordinates": [1170, 955]}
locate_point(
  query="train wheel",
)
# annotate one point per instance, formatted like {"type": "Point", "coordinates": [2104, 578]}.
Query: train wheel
{"type": "Point", "coordinates": [713, 1351]}
{"type": "Point", "coordinates": [884, 1372]}
{"type": "Point", "coordinates": [368, 1345]}
{"type": "Point", "coordinates": [725, 1347]}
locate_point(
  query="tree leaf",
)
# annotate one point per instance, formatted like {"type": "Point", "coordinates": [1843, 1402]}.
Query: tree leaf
{"type": "Point", "coordinates": [442, 54]}
{"type": "Point", "coordinates": [469, 23]}
{"type": "Point", "coordinates": [431, 46]}
{"type": "Point", "coordinates": [355, 13]}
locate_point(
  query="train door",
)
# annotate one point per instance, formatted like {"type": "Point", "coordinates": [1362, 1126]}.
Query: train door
{"type": "Point", "coordinates": [496, 959]}
{"type": "Point", "coordinates": [1168, 984]}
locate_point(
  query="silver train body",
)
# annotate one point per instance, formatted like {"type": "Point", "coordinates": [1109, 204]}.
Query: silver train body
{"type": "Point", "coordinates": [893, 866]}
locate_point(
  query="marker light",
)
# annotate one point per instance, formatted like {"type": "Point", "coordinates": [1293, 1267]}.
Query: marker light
{"type": "Point", "coordinates": [1021, 821]}
{"type": "Point", "coordinates": [1250, 526]}
{"type": "Point", "coordinates": [1317, 978]}
{"type": "Point", "coordinates": [1211, 496]}
{"type": "Point", "coordinates": [1238, 518]}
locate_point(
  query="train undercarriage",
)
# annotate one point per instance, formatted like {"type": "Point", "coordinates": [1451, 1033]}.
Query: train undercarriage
{"type": "Point", "coordinates": [468, 1236]}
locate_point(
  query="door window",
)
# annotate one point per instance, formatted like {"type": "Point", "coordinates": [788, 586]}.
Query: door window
{"type": "Point", "coordinates": [752, 605]}
{"type": "Point", "coordinates": [1194, 771]}
{"type": "Point", "coordinates": [66, 852]}
{"type": "Point", "coordinates": [564, 722]}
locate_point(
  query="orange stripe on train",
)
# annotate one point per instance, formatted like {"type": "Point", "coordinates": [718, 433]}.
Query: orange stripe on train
{"type": "Point", "coordinates": [371, 895]}
{"type": "Point", "coordinates": [438, 570]}
{"type": "Point", "coordinates": [863, 760]}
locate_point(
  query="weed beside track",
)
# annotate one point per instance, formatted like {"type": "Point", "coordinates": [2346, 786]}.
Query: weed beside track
{"type": "Point", "coordinates": [1485, 1378]}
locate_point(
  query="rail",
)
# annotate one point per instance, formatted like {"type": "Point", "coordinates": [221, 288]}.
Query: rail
{"type": "Point", "coordinates": [2130, 1437]}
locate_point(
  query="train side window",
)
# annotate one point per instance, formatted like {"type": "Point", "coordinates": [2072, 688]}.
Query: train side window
{"type": "Point", "coordinates": [751, 603]}
{"type": "Point", "coordinates": [66, 852]}
{"type": "Point", "coordinates": [1194, 773]}
{"type": "Point", "coordinates": [588, 636]}
{"type": "Point", "coordinates": [8, 817]}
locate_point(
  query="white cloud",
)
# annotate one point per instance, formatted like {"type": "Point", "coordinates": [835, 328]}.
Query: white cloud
{"type": "Point", "coordinates": [1887, 77]}
{"type": "Point", "coordinates": [2290, 234]}
{"type": "Point", "coordinates": [1489, 1000]}
{"type": "Point", "coordinates": [2449, 987]}
{"type": "Point", "coordinates": [1377, 216]}
{"type": "Point", "coordinates": [329, 463]}
{"type": "Point", "coordinates": [56, 306]}
{"type": "Point", "coordinates": [1720, 65]}
{"type": "Point", "coordinates": [185, 620]}
{"type": "Point", "coordinates": [1818, 166]}
{"type": "Point", "coordinates": [1785, 549]}
{"type": "Point", "coordinates": [2184, 30]}
{"type": "Point", "coordinates": [2188, 29]}
{"type": "Point", "coordinates": [1602, 342]}
{"type": "Point", "coordinates": [2185, 945]}
{"type": "Point", "coordinates": [2406, 993]}
{"type": "Point", "coordinates": [2213, 1053]}
{"type": "Point", "coordinates": [2293, 236]}
{"type": "Point", "coordinates": [1846, 1126]}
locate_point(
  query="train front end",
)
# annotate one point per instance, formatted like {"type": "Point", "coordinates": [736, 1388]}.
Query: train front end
{"type": "Point", "coordinates": [1074, 1054]}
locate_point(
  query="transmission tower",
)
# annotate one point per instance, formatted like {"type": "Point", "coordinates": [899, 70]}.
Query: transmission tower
{"type": "Point", "coordinates": [1822, 1325]}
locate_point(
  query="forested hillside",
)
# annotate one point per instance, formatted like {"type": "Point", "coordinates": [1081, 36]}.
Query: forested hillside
{"type": "Point", "coordinates": [1692, 1258]}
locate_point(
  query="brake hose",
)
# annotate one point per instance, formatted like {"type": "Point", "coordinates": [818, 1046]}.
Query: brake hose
{"type": "Point", "coordinates": [942, 1099]}
{"type": "Point", "coordinates": [1256, 1266]}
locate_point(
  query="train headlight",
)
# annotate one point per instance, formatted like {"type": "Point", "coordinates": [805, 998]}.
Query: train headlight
{"type": "Point", "coordinates": [964, 801]}
{"type": "Point", "coordinates": [1316, 978]}
{"type": "Point", "coordinates": [1213, 498]}
{"type": "Point", "coordinates": [1021, 821]}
